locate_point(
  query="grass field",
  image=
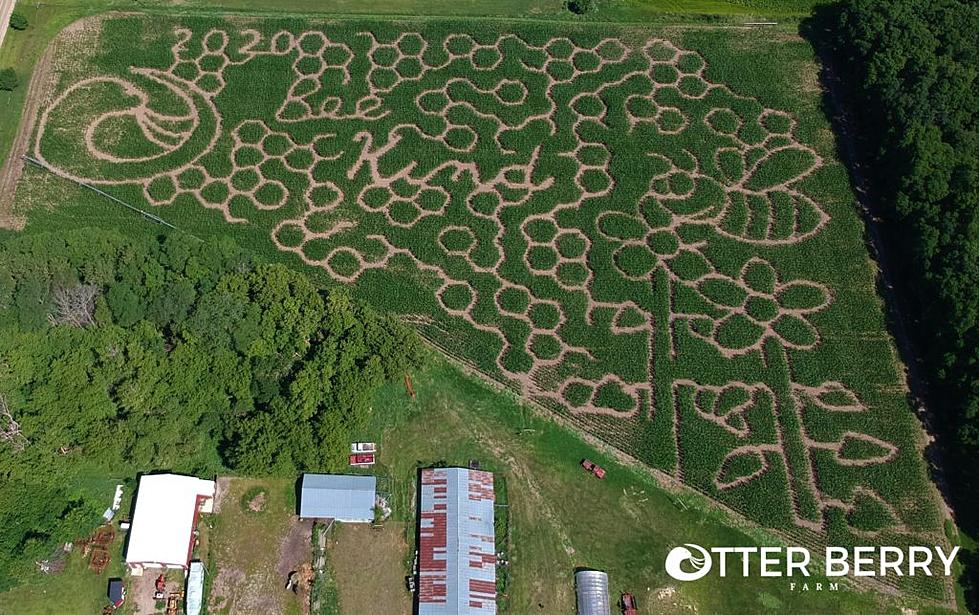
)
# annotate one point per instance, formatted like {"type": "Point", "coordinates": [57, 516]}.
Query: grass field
{"type": "Point", "coordinates": [250, 552]}
{"type": "Point", "coordinates": [562, 518]}
{"type": "Point", "coordinates": [75, 590]}
{"type": "Point", "coordinates": [369, 565]}
{"type": "Point", "coordinates": [559, 517]}
{"type": "Point", "coordinates": [644, 230]}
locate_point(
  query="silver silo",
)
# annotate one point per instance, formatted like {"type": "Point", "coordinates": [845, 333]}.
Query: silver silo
{"type": "Point", "coordinates": [592, 589]}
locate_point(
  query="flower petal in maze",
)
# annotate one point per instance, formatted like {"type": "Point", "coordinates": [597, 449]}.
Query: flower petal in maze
{"type": "Point", "coordinates": [756, 306]}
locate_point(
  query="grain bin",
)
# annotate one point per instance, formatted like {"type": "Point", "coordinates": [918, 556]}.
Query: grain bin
{"type": "Point", "coordinates": [592, 589]}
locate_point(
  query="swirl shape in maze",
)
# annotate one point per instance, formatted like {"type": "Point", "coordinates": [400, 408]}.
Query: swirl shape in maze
{"type": "Point", "coordinates": [579, 218]}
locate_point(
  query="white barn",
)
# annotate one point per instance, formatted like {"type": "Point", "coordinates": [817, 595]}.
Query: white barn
{"type": "Point", "coordinates": [164, 519]}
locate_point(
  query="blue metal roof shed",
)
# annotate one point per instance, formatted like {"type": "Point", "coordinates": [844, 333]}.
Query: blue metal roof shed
{"type": "Point", "coordinates": [349, 499]}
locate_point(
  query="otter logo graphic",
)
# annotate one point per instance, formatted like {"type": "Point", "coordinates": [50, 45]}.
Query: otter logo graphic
{"type": "Point", "coordinates": [678, 555]}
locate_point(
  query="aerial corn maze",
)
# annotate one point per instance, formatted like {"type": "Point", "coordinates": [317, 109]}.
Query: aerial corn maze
{"type": "Point", "coordinates": [646, 232]}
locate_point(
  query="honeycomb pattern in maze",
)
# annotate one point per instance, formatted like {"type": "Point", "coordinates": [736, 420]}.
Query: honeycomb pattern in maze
{"type": "Point", "coordinates": [516, 214]}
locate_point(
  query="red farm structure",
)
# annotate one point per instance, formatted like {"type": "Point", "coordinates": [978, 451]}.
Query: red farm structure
{"type": "Point", "coordinates": [628, 604]}
{"type": "Point", "coordinates": [456, 542]}
{"type": "Point", "coordinates": [362, 459]}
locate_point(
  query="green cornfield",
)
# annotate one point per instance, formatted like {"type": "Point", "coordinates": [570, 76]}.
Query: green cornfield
{"type": "Point", "coordinates": [646, 231]}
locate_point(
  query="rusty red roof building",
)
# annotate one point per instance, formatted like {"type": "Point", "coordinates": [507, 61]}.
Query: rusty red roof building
{"type": "Point", "coordinates": [457, 542]}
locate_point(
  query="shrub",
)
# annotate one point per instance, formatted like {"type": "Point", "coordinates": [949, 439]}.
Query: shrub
{"type": "Point", "coordinates": [18, 21]}
{"type": "Point", "coordinates": [582, 7]}
{"type": "Point", "coordinates": [8, 79]}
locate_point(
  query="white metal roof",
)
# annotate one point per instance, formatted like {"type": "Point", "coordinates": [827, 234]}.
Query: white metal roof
{"type": "Point", "coordinates": [163, 519]}
{"type": "Point", "coordinates": [195, 588]}
{"type": "Point", "coordinates": [335, 496]}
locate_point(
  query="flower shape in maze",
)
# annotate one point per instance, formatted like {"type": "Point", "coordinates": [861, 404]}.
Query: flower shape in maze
{"type": "Point", "coordinates": [738, 174]}
{"type": "Point", "coordinates": [755, 307]}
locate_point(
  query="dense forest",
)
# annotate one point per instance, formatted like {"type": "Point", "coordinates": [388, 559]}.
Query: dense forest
{"type": "Point", "coordinates": [915, 77]}
{"type": "Point", "coordinates": [121, 355]}
{"type": "Point", "coordinates": [916, 66]}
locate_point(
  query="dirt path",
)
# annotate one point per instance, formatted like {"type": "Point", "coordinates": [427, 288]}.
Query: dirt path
{"type": "Point", "coordinates": [13, 166]}
{"type": "Point", "coordinates": [529, 498]}
{"type": "Point", "coordinates": [6, 10]}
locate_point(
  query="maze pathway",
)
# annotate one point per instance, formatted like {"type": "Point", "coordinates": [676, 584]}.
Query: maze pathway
{"type": "Point", "coordinates": [574, 207]}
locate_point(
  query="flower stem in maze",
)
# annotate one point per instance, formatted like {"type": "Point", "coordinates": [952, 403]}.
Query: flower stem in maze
{"type": "Point", "coordinates": [662, 439]}
{"type": "Point", "coordinates": [798, 465]}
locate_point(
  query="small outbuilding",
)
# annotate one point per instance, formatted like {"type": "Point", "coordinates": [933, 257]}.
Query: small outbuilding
{"type": "Point", "coordinates": [116, 593]}
{"type": "Point", "coordinates": [195, 588]}
{"type": "Point", "coordinates": [165, 519]}
{"type": "Point", "coordinates": [591, 587]}
{"type": "Point", "coordinates": [348, 499]}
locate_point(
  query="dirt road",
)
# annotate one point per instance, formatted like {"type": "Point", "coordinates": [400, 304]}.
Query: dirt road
{"type": "Point", "coordinates": [6, 8]}
{"type": "Point", "coordinates": [13, 165]}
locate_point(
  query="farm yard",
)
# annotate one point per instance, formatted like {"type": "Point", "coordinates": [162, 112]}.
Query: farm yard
{"type": "Point", "coordinates": [369, 564]}
{"type": "Point", "coordinates": [255, 542]}
{"type": "Point", "coordinates": [624, 524]}
{"type": "Point", "coordinates": [560, 518]}
{"type": "Point", "coordinates": [644, 231]}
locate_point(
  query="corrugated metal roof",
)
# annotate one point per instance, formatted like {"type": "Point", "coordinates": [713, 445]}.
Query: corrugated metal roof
{"type": "Point", "coordinates": [195, 588]}
{"type": "Point", "coordinates": [457, 543]}
{"type": "Point", "coordinates": [592, 589]}
{"type": "Point", "coordinates": [336, 496]}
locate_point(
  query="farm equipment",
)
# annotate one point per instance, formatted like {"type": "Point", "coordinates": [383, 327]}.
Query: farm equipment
{"type": "Point", "coordinates": [161, 587]}
{"type": "Point", "coordinates": [362, 459]}
{"type": "Point", "coordinates": [363, 447]}
{"type": "Point", "coordinates": [591, 466]}
{"type": "Point", "coordinates": [173, 602]}
{"type": "Point", "coordinates": [100, 559]}
{"type": "Point", "coordinates": [628, 604]}
{"type": "Point", "coordinates": [97, 545]}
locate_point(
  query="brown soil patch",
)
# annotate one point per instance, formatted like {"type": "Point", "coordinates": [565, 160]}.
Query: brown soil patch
{"type": "Point", "coordinates": [295, 548]}
{"type": "Point", "coordinates": [257, 503]}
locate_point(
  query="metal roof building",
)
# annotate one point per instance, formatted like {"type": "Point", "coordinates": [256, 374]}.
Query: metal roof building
{"type": "Point", "coordinates": [456, 542]}
{"type": "Point", "coordinates": [164, 519]}
{"type": "Point", "coordinates": [195, 588]}
{"type": "Point", "coordinates": [349, 499]}
{"type": "Point", "coordinates": [591, 587]}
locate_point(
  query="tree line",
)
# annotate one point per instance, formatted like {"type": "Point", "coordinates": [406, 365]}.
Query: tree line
{"type": "Point", "coordinates": [914, 72]}
{"type": "Point", "coordinates": [915, 68]}
{"type": "Point", "coordinates": [120, 355]}
{"type": "Point", "coordinates": [8, 76]}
